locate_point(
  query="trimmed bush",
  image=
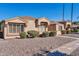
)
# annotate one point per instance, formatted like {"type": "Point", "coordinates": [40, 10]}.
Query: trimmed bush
{"type": "Point", "coordinates": [45, 34]}
{"type": "Point", "coordinates": [68, 31]}
{"type": "Point", "coordinates": [63, 32]}
{"type": "Point", "coordinates": [52, 33]}
{"type": "Point", "coordinates": [78, 30]}
{"type": "Point", "coordinates": [75, 30]}
{"type": "Point", "coordinates": [32, 34]}
{"type": "Point", "coordinates": [23, 35]}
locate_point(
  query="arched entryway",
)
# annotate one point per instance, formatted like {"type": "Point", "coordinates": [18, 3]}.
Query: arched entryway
{"type": "Point", "coordinates": [42, 27]}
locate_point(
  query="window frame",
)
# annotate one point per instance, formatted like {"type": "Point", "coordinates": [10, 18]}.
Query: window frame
{"type": "Point", "coordinates": [16, 28]}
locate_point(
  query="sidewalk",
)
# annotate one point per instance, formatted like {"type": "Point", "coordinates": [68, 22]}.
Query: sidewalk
{"type": "Point", "coordinates": [69, 37]}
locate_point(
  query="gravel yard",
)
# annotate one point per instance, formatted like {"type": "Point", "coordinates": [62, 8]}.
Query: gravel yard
{"type": "Point", "coordinates": [75, 53]}
{"type": "Point", "coordinates": [25, 47]}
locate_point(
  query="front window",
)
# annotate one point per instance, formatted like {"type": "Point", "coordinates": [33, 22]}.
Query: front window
{"type": "Point", "coordinates": [22, 28]}
{"type": "Point", "coordinates": [16, 28]}
{"type": "Point", "coordinates": [10, 28]}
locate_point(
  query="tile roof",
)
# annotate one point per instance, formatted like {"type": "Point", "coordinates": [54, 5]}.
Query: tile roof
{"type": "Point", "coordinates": [22, 18]}
{"type": "Point", "coordinates": [54, 22]}
{"type": "Point", "coordinates": [25, 18]}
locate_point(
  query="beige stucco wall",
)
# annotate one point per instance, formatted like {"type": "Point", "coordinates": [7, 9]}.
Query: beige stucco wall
{"type": "Point", "coordinates": [30, 25]}
{"type": "Point", "coordinates": [68, 23]}
{"type": "Point", "coordinates": [43, 20]}
{"type": "Point", "coordinates": [6, 29]}
{"type": "Point", "coordinates": [57, 28]}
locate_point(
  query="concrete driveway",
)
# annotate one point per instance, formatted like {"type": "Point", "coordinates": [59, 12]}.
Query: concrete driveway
{"type": "Point", "coordinates": [75, 35]}
{"type": "Point", "coordinates": [71, 48]}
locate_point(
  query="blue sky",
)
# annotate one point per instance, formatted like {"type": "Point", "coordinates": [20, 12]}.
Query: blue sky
{"type": "Point", "coordinates": [52, 11]}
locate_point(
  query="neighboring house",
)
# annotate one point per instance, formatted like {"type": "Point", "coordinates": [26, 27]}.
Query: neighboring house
{"type": "Point", "coordinates": [75, 26]}
{"type": "Point", "coordinates": [55, 26]}
{"type": "Point", "coordinates": [67, 24]}
{"type": "Point", "coordinates": [12, 27]}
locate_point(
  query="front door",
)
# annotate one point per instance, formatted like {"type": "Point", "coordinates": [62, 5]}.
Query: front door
{"type": "Point", "coordinates": [42, 29]}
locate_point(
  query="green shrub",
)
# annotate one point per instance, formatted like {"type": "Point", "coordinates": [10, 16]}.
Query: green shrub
{"type": "Point", "coordinates": [52, 33]}
{"type": "Point", "coordinates": [68, 31]}
{"type": "Point", "coordinates": [78, 30]}
{"type": "Point", "coordinates": [45, 34]}
{"type": "Point", "coordinates": [72, 31]}
{"type": "Point", "coordinates": [23, 35]}
{"type": "Point", "coordinates": [63, 31]}
{"type": "Point", "coordinates": [75, 30]}
{"type": "Point", "coordinates": [32, 33]}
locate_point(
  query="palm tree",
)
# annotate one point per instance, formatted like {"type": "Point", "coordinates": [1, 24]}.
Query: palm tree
{"type": "Point", "coordinates": [63, 12]}
{"type": "Point", "coordinates": [71, 13]}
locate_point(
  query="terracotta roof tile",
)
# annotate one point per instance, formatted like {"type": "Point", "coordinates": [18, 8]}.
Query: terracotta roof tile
{"type": "Point", "coordinates": [26, 18]}
{"type": "Point", "coordinates": [54, 22]}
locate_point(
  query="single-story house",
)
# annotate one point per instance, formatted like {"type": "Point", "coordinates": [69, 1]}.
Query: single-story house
{"type": "Point", "coordinates": [67, 24]}
{"type": "Point", "coordinates": [75, 26]}
{"type": "Point", "coordinates": [10, 28]}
